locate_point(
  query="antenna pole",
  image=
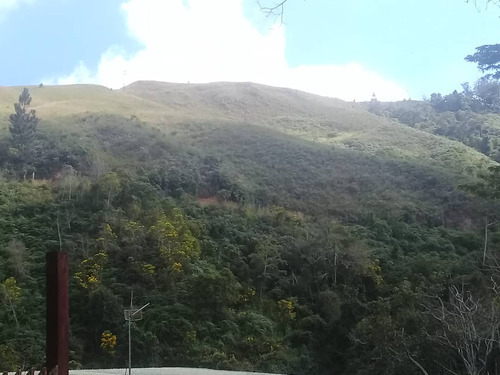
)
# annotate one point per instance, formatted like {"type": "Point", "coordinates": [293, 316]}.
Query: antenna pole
{"type": "Point", "coordinates": [130, 334]}
{"type": "Point", "coordinates": [129, 315]}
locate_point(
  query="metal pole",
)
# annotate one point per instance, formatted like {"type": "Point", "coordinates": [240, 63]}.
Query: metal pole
{"type": "Point", "coordinates": [142, 308]}
{"type": "Point", "coordinates": [129, 347]}
{"type": "Point", "coordinates": [130, 334]}
{"type": "Point", "coordinates": [130, 315]}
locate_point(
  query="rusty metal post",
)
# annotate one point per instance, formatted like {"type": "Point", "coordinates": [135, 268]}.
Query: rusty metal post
{"type": "Point", "coordinates": [57, 318]}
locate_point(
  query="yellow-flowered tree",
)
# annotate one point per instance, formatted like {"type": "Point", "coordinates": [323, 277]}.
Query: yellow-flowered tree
{"type": "Point", "coordinates": [176, 244]}
{"type": "Point", "coordinates": [11, 292]}
{"type": "Point", "coordinates": [108, 342]}
{"type": "Point", "coordinates": [89, 274]}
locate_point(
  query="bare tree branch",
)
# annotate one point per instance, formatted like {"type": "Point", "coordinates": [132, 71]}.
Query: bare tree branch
{"type": "Point", "coordinates": [276, 10]}
{"type": "Point", "coordinates": [415, 362]}
{"type": "Point", "coordinates": [486, 226]}
{"type": "Point", "coordinates": [478, 3]}
{"type": "Point", "coordinates": [469, 326]}
{"type": "Point", "coordinates": [446, 368]}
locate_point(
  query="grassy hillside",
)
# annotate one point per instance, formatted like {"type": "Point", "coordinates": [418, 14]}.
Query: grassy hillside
{"type": "Point", "coordinates": [310, 117]}
{"type": "Point", "coordinates": [278, 146]}
{"type": "Point", "coordinates": [305, 116]}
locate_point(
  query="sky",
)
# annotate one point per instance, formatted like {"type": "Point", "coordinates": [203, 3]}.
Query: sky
{"type": "Point", "coordinates": [347, 49]}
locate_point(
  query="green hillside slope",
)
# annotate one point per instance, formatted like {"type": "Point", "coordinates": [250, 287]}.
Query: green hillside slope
{"type": "Point", "coordinates": [256, 128]}
{"type": "Point", "coordinates": [310, 117]}
{"type": "Point", "coordinates": [306, 116]}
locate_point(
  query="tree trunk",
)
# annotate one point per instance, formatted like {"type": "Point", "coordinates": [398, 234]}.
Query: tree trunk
{"type": "Point", "coordinates": [13, 311]}
{"type": "Point", "coordinates": [420, 367]}
{"type": "Point", "coordinates": [485, 240]}
{"type": "Point", "coordinates": [335, 268]}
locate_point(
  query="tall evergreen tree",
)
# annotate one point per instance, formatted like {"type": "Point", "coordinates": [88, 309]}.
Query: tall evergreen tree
{"type": "Point", "coordinates": [23, 124]}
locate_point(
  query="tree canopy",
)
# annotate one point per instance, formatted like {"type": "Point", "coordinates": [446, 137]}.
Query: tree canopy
{"type": "Point", "coordinates": [487, 58]}
{"type": "Point", "coordinates": [23, 123]}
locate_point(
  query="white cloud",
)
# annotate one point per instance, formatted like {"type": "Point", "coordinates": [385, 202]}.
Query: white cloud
{"type": "Point", "coordinates": [346, 82]}
{"type": "Point", "coordinates": [8, 5]}
{"type": "Point", "coordinates": [208, 41]}
{"type": "Point", "coordinates": [80, 74]}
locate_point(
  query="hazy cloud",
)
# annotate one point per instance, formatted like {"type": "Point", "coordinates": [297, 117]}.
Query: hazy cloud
{"type": "Point", "coordinates": [81, 74]}
{"type": "Point", "coordinates": [208, 41]}
{"type": "Point", "coordinates": [8, 5]}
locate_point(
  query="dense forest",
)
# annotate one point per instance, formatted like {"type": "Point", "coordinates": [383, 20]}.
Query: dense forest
{"type": "Point", "coordinates": [470, 116]}
{"type": "Point", "coordinates": [269, 229]}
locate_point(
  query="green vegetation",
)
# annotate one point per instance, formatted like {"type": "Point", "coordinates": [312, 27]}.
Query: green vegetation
{"type": "Point", "coordinates": [270, 230]}
{"type": "Point", "coordinates": [469, 117]}
{"type": "Point", "coordinates": [22, 129]}
{"type": "Point", "coordinates": [487, 58]}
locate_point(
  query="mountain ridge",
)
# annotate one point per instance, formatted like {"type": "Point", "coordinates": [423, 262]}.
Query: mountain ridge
{"type": "Point", "coordinates": [307, 116]}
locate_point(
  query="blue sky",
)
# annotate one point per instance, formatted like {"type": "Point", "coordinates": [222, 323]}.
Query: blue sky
{"type": "Point", "coordinates": [341, 48]}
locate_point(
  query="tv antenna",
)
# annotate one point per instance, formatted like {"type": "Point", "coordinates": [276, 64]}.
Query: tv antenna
{"type": "Point", "coordinates": [132, 315]}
